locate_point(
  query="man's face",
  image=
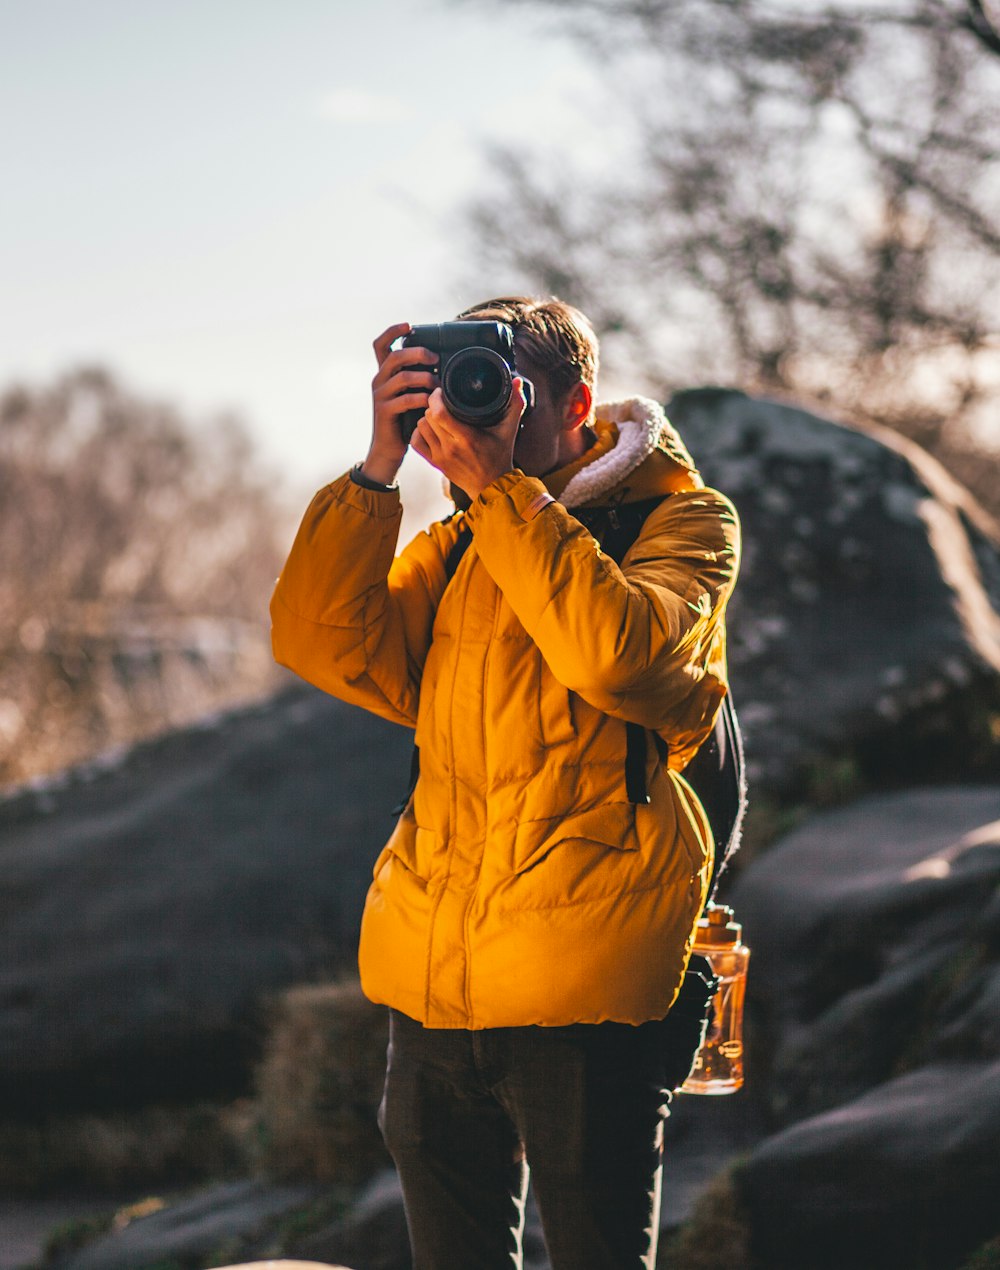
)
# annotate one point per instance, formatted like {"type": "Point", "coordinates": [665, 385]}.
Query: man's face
{"type": "Point", "coordinates": [539, 445]}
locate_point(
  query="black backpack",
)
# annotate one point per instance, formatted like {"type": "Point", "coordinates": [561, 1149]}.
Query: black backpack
{"type": "Point", "coordinates": [717, 773]}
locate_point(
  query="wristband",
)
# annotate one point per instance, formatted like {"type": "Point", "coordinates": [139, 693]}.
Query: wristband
{"type": "Point", "coordinates": [366, 482]}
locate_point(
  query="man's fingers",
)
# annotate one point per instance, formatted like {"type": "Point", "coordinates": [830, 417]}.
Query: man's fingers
{"type": "Point", "coordinates": [518, 400]}
{"type": "Point", "coordinates": [399, 358]}
{"type": "Point", "coordinates": [406, 401]}
{"type": "Point", "coordinates": [443, 434]}
{"type": "Point", "coordinates": [425, 442]}
{"type": "Point", "coordinates": [434, 428]}
{"type": "Point", "coordinates": [382, 389]}
{"type": "Point", "coordinates": [383, 343]}
{"type": "Point", "coordinates": [437, 412]}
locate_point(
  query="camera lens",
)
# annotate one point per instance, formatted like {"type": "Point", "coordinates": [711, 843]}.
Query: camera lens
{"type": "Point", "coordinates": [477, 383]}
{"type": "Point", "coordinates": [477, 386]}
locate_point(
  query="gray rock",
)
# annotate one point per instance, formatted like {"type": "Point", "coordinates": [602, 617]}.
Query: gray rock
{"type": "Point", "coordinates": [907, 1175]}
{"type": "Point", "coordinates": [701, 1135]}
{"type": "Point", "coordinates": [151, 909]}
{"type": "Point", "coordinates": [373, 1234]}
{"type": "Point", "coordinates": [224, 1221]}
{"type": "Point", "coordinates": [874, 1021]}
{"type": "Point", "coordinates": [867, 620]}
{"type": "Point", "coordinates": [874, 943]}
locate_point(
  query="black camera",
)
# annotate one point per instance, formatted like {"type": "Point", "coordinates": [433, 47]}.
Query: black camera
{"type": "Point", "coordinates": [476, 371]}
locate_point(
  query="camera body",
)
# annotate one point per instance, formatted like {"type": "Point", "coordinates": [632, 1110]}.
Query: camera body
{"type": "Point", "coordinates": [476, 370]}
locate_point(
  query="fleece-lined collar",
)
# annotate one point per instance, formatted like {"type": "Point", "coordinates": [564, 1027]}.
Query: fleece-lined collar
{"type": "Point", "coordinates": [638, 453]}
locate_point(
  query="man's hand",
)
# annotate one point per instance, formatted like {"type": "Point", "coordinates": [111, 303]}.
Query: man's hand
{"type": "Point", "coordinates": [470, 458]}
{"type": "Point", "coordinates": [396, 387]}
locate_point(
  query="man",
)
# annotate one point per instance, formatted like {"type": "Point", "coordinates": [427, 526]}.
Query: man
{"type": "Point", "coordinates": [528, 925]}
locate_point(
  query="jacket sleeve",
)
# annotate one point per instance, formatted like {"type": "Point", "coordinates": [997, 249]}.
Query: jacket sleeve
{"type": "Point", "coordinates": [349, 617]}
{"type": "Point", "coordinates": [644, 642]}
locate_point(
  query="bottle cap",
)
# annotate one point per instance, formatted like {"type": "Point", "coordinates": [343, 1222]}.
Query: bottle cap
{"type": "Point", "coordinates": [716, 926]}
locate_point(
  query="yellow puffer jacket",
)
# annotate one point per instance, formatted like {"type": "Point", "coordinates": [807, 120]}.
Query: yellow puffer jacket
{"type": "Point", "coordinates": [520, 885]}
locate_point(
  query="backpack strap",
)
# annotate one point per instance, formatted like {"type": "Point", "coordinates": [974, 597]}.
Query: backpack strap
{"type": "Point", "coordinates": [635, 764]}
{"type": "Point", "coordinates": [717, 774]}
{"type": "Point", "coordinates": [616, 528]}
{"type": "Point", "coordinates": [458, 549]}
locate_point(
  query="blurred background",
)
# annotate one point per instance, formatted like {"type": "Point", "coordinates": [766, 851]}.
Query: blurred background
{"type": "Point", "coordinates": [782, 218]}
{"type": "Point", "coordinates": [210, 211]}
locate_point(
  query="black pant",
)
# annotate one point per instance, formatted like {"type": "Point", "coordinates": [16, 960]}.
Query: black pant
{"type": "Point", "coordinates": [464, 1113]}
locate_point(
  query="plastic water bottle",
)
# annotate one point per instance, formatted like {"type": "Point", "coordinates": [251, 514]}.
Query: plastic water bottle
{"type": "Point", "coordinates": [718, 1069]}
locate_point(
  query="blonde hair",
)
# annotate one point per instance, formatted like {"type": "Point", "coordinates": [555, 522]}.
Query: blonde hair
{"type": "Point", "coordinates": [552, 335]}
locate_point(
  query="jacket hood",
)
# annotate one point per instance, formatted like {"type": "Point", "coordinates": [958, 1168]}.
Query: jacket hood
{"type": "Point", "coordinates": [638, 454]}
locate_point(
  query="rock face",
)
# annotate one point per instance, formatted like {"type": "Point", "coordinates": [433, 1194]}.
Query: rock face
{"type": "Point", "coordinates": [867, 620]}
{"type": "Point", "coordinates": [373, 1233]}
{"type": "Point", "coordinates": [150, 910]}
{"type": "Point", "coordinates": [232, 1219]}
{"type": "Point", "coordinates": [874, 1000]}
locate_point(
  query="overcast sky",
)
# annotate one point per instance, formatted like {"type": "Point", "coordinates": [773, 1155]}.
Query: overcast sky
{"type": "Point", "coordinates": [226, 200]}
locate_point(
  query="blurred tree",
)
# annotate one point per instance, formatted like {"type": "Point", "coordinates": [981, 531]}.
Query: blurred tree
{"type": "Point", "coordinates": [805, 201]}
{"type": "Point", "coordinates": [137, 558]}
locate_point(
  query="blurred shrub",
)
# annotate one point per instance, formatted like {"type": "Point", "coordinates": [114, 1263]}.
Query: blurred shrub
{"type": "Point", "coordinates": [716, 1234]}
{"type": "Point", "coordinates": [320, 1085]}
{"type": "Point", "coordinates": [986, 1258]}
{"type": "Point", "coordinates": [126, 1150]}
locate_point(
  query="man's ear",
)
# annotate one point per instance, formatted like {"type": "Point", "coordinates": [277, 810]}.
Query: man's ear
{"type": "Point", "coordinates": [579, 402]}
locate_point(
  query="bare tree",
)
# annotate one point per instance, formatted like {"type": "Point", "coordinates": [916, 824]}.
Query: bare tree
{"type": "Point", "coordinates": [138, 552]}
{"type": "Point", "coordinates": [807, 203]}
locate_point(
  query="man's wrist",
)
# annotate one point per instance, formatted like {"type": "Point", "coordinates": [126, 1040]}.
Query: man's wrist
{"type": "Point", "coordinates": [379, 471]}
{"type": "Point", "coordinates": [360, 477]}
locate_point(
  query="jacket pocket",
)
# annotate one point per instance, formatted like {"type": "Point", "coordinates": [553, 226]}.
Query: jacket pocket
{"type": "Point", "coordinates": [555, 709]}
{"type": "Point", "coordinates": [420, 850]}
{"type": "Point", "coordinates": [610, 825]}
